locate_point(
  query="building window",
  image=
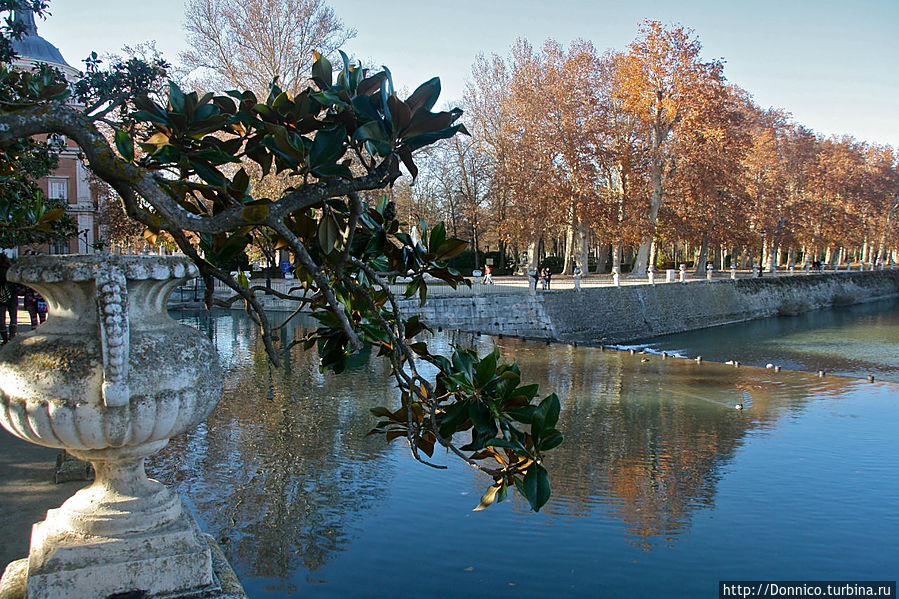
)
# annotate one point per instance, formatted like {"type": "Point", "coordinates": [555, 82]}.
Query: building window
{"type": "Point", "coordinates": [59, 247]}
{"type": "Point", "coordinates": [57, 189]}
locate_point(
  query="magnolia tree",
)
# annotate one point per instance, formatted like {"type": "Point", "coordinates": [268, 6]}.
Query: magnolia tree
{"type": "Point", "coordinates": [178, 161]}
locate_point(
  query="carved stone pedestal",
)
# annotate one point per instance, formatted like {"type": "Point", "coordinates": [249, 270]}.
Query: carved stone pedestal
{"type": "Point", "coordinates": [110, 378]}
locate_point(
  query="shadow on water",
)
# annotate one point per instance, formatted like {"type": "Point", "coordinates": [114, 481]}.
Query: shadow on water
{"type": "Point", "coordinates": [658, 472]}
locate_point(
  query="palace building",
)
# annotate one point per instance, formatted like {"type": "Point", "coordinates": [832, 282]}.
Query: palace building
{"type": "Point", "coordinates": [70, 181]}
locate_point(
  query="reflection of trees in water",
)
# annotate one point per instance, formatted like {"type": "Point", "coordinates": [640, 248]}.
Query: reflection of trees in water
{"type": "Point", "coordinates": [645, 441]}
{"type": "Point", "coordinates": [282, 465]}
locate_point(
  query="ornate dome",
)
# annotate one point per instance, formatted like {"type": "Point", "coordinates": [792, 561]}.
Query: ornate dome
{"type": "Point", "coordinates": [32, 47]}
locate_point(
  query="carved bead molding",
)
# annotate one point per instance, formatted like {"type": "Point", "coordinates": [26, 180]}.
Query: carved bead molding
{"type": "Point", "coordinates": [112, 318]}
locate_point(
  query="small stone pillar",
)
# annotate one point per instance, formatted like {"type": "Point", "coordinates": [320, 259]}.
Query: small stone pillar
{"type": "Point", "coordinates": [683, 273]}
{"type": "Point", "coordinates": [792, 270]}
{"type": "Point", "coordinates": [733, 272]}
{"type": "Point", "coordinates": [709, 271]}
{"type": "Point", "coordinates": [651, 275]}
{"type": "Point", "coordinates": [532, 281]}
{"type": "Point", "coordinates": [755, 271]}
{"type": "Point", "coordinates": [669, 275]}
{"type": "Point", "coordinates": [477, 287]}
{"type": "Point", "coordinates": [577, 278]}
{"type": "Point", "coordinates": [616, 277]}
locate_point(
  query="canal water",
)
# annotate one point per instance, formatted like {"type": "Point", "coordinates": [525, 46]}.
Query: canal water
{"type": "Point", "coordinates": [858, 341]}
{"type": "Point", "coordinates": [661, 488]}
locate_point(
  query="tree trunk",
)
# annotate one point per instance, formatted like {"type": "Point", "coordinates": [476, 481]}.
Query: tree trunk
{"type": "Point", "coordinates": [603, 259]}
{"type": "Point", "coordinates": [569, 258]}
{"type": "Point", "coordinates": [702, 258]}
{"type": "Point", "coordinates": [583, 248]}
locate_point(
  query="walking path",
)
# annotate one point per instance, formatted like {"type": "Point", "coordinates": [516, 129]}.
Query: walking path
{"type": "Point", "coordinates": [27, 491]}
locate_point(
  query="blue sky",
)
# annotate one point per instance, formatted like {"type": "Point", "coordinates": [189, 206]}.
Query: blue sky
{"type": "Point", "coordinates": [832, 64]}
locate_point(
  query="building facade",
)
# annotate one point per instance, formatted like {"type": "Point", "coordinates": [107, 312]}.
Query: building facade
{"type": "Point", "coordinates": [71, 180]}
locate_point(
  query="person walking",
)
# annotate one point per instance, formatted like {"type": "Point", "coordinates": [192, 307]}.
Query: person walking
{"type": "Point", "coordinates": [9, 302]}
{"type": "Point", "coordinates": [488, 275]}
{"type": "Point", "coordinates": [36, 305]}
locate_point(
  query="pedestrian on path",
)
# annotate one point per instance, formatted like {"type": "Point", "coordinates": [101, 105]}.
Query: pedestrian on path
{"type": "Point", "coordinates": [36, 306]}
{"type": "Point", "coordinates": [9, 302]}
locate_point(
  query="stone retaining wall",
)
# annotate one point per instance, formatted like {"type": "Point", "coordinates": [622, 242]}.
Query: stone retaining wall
{"type": "Point", "coordinates": [619, 314]}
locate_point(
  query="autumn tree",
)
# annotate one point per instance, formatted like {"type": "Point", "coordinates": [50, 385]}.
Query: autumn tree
{"type": "Point", "coordinates": [708, 187]}
{"type": "Point", "coordinates": [664, 84]}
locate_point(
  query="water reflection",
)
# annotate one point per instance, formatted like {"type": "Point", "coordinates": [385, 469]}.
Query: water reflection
{"type": "Point", "coordinates": [283, 475]}
{"type": "Point", "coordinates": [283, 465]}
{"type": "Point", "coordinates": [646, 437]}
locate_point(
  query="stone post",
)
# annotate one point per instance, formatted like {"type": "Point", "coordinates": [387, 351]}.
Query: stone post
{"type": "Point", "coordinates": [733, 272]}
{"type": "Point", "coordinates": [577, 278]}
{"type": "Point", "coordinates": [616, 277]}
{"type": "Point", "coordinates": [669, 275]}
{"type": "Point", "coordinates": [792, 270]}
{"type": "Point", "coordinates": [683, 273]}
{"type": "Point", "coordinates": [755, 270]}
{"type": "Point", "coordinates": [708, 272]}
{"type": "Point", "coordinates": [651, 275]}
{"type": "Point", "coordinates": [532, 281]}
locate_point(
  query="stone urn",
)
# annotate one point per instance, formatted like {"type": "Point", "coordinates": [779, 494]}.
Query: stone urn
{"type": "Point", "coordinates": [110, 378]}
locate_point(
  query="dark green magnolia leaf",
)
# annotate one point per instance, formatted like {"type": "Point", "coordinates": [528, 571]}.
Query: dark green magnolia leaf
{"type": "Point", "coordinates": [365, 110]}
{"type": "Point", "coordinates": [125, 145]}
{"type": "Point", "coordinates": [176, 98]}
{"type": "Point", "coordinates": [400, 113]}
{"type": "Point", "coordinates": [322, 72]}
{"type": "Point", "coordinates": [372, 131]}
{"type": "Point", "coordinates": [330, 171]}
{"type": "Point", "coordinates": [425, 96]}
{"type": "Point", "coordinates": [535, 486]}
{"type": "Point", "coordinates": [239, 184]}
{"type": "Point", "coordinates": [486, 368]}
{"type": "Point", "coordinates": [328, 146]}
{"type": "Point", "coordinates": [449, 248]}
{"type": "Point", "coordinates": [371, 84]}
{"type": "Point", "coordinates": [551, 441]}
{"type": "Point", "coordinates": [209, 174]}
{"type": "Point", "coordinates": [426, 139]}
{"type": "Point", "coordinates": [328, 233]}
{"type": "Point", "coordinates": [406, 156]}
{"type": "Point", "coordinates": [438, 236]}
{"type": "Point", "coordinates": [428, 122]}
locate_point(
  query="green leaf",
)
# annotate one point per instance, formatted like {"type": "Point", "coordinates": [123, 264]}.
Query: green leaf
{"type": "Point", "coordinates": [400, 113]}
{"type": "Point", "coordinates": [438, 236]}
{"type": "Point", "coordinates": [449, 248]}
{"type": "Point", "coordinates": [125, 145]}
{"type": "Point", "coordinates": [552, 440]}
{"type": "Point", "coordinates": [486, 368]}
{"type": "Point", "coordinates": [535, 487]}
{"type": "Point", "coordinates": [425, 96]}
{"type": "Point", "coordinates": [371, 84]}
{"type": "Point", "coordinates": [322, 72]}
{"type": "Point", "coordinates": [176, 98]}
{"type": "Point", "coordinates": [327, 147]}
